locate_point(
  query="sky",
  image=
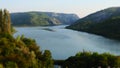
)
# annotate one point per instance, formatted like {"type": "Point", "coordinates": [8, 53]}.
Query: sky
{"type": "Point", "coordinates": [80, 7]}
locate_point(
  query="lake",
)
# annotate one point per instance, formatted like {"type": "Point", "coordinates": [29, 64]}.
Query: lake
{"type": "Point", "coordinates": [64, 43]}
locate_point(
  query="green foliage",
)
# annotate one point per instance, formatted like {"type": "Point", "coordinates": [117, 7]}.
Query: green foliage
{"type": "Point", "coordinates": [1, 66]}
{"type": "Point", "coordinates": [18, 38]}
{"type": "Point", "coordinates": [48, 58]}
{"type": "Point", "coordinates": [20, 52]}
{"type": "Point", "coordinates": [5, 23]}
{"type": "Point", "coordinates": [11, 65]}
{"type": "Point", "coordinates": [89, 60]}
{"type": "Point", "coordinates": [13, 30]}
{"type": "Point", "coordinates": [23, 53]}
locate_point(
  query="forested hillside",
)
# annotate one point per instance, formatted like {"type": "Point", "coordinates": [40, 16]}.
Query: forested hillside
{"type": "Point", "coordinates": [105, 22]}
{"type": "Point", "coordinates": [20, 52]}
{"type": "Point", "coordinates": [42, 19]}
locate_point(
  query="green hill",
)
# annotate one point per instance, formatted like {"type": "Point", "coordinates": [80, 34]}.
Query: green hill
{"type": "Point", "coordinates": [101, 15]}
{"type": "Point", "coordinates": [109, 26]}
{"type": "Point", "coordinates": [42, 19]}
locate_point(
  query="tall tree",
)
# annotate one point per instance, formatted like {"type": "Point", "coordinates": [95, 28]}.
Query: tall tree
{"type": "Point", "coordinates": [5, 22]}
{"type": "Point", "coordinates": [48, 59]}
{"type": "Point", "coordinates": [1, 15]}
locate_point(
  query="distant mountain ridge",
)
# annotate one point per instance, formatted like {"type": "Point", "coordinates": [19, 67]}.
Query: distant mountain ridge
{"type": "Point", "coordinates": [105, 22]}
{"type": "Point", "coordinates": [101, 15]}
{"type": "Point", "coordinates": [42, 18]}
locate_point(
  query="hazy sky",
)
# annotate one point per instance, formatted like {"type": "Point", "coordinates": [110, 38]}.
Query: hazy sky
{"type": "Point", "coordinates": [79, 7]}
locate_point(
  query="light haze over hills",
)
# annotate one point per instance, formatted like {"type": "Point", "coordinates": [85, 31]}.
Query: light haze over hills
{"type": "Point", "coordinates": [79, 7]}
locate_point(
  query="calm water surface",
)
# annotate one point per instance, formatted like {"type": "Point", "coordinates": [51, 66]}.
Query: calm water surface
{"type": "Point", "coordinates": [64, 42]}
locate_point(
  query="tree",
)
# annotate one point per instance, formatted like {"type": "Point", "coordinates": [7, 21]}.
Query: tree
{"type": "Point", "coordinates": [89, 60]}
{"type": "Point", "coordinates": [20, 52]}
{"type": "Point", "coordinates": [48, 59]}
{"type": "Point", "coordinates": [5, 22]}
{"type": "Point", "coordinates": [1, 20]}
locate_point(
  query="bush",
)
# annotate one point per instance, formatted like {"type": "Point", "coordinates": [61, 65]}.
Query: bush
{"type": "Point", "coordinates": [89, 60]}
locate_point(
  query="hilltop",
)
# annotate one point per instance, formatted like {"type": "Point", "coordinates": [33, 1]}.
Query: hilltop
{"type": "Point", "coordinates": [42, 18]}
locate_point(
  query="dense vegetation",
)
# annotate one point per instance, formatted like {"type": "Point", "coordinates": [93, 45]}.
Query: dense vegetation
{"type": "Point", "coordinates": [42, 18]}
{"type": "Point", "coordinates": [108, 26]}
{"type": "Point", "coordinates": [92, 60]}
{"type": "Point", "coordinates": [20, 52]}
{"type": "Point", "coordinates": [101, 15]}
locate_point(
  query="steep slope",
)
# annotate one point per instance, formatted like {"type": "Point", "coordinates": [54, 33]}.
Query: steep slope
{"type": "Point", "coordinates": [101, 15]}
{"type": "Point", "coordinates": [42, 18]}
{"type": "Point", "coordinates": [105, 23]}
{"type": "Point", "coordinates": [109, 28]}
{"type": "Point", "coordinates": [64, 18]}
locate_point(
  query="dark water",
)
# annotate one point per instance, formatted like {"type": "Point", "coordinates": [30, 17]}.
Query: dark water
{"type": "Point", "coordinates": [64, 42]}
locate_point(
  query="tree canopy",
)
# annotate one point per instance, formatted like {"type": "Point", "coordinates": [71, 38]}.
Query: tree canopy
{"type": "Point", "coordinates": [92, 60]}
{"type": "Point", "coordinates": [20, 52]}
